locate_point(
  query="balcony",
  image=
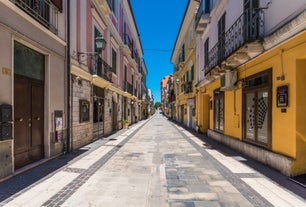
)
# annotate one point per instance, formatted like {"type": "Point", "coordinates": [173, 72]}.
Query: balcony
{"type": "Point", "coordinates": [188, 87]}
{"type": "Point", "coordinates": [241, 42]}
{"type": "Point", "coordinates": [103, 70]}
{"type": "Point", "coordinates": [43, 11]}
{"type": "Point", "coordinates": [127, 45]}
{"type": "Point", "coordinates": [128, 88]}
{"type": "Point", "coordinates": [203, 18]}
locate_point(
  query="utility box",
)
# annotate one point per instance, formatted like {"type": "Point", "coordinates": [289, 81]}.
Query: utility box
{"type": "Point", "coordinates": [5, 131]}
{"type": "Point", "coordinates": [5, 113]}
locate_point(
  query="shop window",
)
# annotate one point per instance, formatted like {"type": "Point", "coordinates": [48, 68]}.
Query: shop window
{"type": "Point", "coordinates": [257, 109]}
{"type": "Point", "coordinates": [84, 111]}
{"type": "Point", "coordinates": [219, 110]}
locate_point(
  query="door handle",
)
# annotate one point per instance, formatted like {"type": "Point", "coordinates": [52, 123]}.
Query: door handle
{"type": "Point", "coordinates": [30, 125]}
{"type": "Point", "coordinates": [20, 119]}
{"type": "Point", "coordinates": [37, 118]}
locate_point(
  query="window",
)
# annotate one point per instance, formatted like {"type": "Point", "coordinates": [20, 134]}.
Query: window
{"type": "Point", "coordinates": [221, 39]}
{"type": "Point", "coordinates": [219, 110]}
{"type": "Point", "coordinates": [207, 6]}
{"type": "Point", "coordinates": [125, 73]}
{"type": "Point", "coordinates": [84, 111]}
{"type": "Point", "coordinates": [28, 62]}
{"type": "Point", "coordinates": [192, 72]}
{"type": "Point", "coordinates": [183, 52]}
{"type": "Point", "coordinates": [257, 109]}
{"type": "Point", "coordinates": [97, 67]}
{"type": "Point", "coordinates": [206, 48]}
{"type": "Point", "coordinates": [114, 61]}
{"type": "Point", "coordinates": [112, 4]}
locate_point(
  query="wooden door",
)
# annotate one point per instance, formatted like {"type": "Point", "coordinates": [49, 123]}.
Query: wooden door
{"type": "Point", "coordinates": [28, 120]}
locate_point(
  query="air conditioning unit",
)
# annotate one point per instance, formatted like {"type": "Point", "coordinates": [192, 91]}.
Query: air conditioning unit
{"type": "Point", "coordinates": [228, 81]}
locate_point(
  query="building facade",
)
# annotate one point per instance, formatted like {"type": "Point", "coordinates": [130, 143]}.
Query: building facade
{"type": "Point", "coordinates": [33, 82]}
{"type": "Point", "coordinates": [70, 73]}
{"type": "Point", "coordinates": [251, 79]}
{"type": "Point", "coordinates": [106, 79]}
{"type": "Point", "coordinates": [184, 60]}
{"type": "Point", "coordinates": [164, 94]}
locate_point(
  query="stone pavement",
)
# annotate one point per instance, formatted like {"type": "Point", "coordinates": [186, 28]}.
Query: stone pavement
{"type": "Point", "coordinates": [154, 163]}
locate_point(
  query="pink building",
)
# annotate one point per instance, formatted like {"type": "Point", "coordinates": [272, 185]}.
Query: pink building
{"type": "Point", "coordinates": [106, 79]}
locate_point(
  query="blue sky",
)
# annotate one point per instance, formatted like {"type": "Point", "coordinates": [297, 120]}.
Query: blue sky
{"type": "Point", "coordinates": [158, 22]}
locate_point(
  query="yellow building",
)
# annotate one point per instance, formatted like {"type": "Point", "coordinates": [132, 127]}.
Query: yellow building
{"type": "Point", "coordinates": [184, 59]}
{"type": "Point", "coordinates": [253, 95]}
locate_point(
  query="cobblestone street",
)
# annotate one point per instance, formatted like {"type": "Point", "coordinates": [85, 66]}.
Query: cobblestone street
{"type": "Point", "coordinates": [153, 163]}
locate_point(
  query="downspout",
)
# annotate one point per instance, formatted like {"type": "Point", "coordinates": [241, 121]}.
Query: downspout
{"type": "Point", "coordinates": [68, 79]}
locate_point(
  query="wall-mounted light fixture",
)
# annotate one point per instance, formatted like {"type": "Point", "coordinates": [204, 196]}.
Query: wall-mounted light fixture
{"type": "Point", "coordinates": [100, 45]}
{"type": "Point", "coordinates": [177, 81]}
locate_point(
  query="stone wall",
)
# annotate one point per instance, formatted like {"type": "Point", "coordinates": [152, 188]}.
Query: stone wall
{"type": "Point", "coordinates": [82, 133]}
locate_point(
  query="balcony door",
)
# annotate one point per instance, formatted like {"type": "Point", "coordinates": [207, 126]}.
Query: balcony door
{"type": "Point", "coordinates": [251, 19]}
{"type": "Point", "coordinates": [221, 38]}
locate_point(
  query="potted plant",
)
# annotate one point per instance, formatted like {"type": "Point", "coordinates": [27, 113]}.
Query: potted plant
{"type": "Point", "coordinates": [125, 123]}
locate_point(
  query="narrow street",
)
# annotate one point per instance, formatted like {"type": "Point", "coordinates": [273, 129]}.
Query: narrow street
{"type": "Point", "coordinates": [153, 163]}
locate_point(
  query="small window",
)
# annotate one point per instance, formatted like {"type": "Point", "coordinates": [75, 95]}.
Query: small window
{"type": "Point", "coordinates": [114, 61]}
{"type": "Point", "coordinates": [206, 48]}
{"type": "Point", "coordinates": [84, 111]}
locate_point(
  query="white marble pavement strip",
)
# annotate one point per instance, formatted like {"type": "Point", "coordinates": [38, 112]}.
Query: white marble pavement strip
{"type": "Point", "coordinates": [125, 180]}
{"type": "Point", "coordinates": [232, 164]}
{"type": "Point", "coordinates": [91, 158]}
{"type": "Point", "coordinates": [37, 195]}
{"type": "Point", "coordinates": [273, 193]}
{"type": "Point", "coordinates": [94, 156]}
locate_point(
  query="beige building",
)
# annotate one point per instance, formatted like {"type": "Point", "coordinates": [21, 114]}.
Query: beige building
{"type": "Point", "coordinates": [184, 60]}
{"type": "Point", "coordinates": [32, 83]}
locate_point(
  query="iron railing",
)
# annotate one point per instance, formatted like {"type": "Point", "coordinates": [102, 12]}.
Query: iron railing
{"type": "Point", "coordinates": [247, 28]}
{"type": "Point", "coordinates": [44, 11]}
{"type": "Point", "coordinates": [128, 87]}
{"type": "Point", "coordinates": [188, 87]}
{"type": "Point", "coordinates": [103, 70]}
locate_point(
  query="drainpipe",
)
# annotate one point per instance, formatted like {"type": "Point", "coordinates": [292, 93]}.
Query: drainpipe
{"type": "Point", "coordinates": [68, 78]}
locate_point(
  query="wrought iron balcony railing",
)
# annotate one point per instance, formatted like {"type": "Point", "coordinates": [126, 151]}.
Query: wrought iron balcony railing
{"type": "Point", "coordinates": [128, 87]}
{"type": "Point", "coordinates": [188, 87]}
{"type": "Point", "coordinates": [103, 70]}
{"type": "Point", "coordinates": [249, 27]}
{"type": "Point", "coordinates": [43, 11]}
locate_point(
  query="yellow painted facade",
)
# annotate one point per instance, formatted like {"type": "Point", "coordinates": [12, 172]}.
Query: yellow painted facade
{"type": "Point", "coordinates": [182, 95]}
{"type": "Point", "coordinates": [288, 124]}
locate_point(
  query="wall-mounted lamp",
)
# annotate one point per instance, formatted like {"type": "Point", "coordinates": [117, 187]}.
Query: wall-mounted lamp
{"type": "Point", "coordinates": [177, 81]}
{"type": "Point", "coordinates": [100, 45]}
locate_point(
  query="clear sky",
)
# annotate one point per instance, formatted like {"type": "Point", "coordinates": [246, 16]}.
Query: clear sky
{"type": "Point", "coordinates": [158, 22]}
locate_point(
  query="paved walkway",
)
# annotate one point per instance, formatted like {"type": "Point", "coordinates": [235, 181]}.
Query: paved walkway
{"type": "Point", "coordinates": [154, 163]}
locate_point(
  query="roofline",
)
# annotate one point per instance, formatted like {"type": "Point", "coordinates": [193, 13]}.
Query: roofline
{"type": "Point", "coordinates": [129, 3]}
{"type": "Point", "coordinates": [178, 34]}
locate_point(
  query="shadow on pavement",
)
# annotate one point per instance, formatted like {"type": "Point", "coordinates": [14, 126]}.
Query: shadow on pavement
{"type": "Point", "coordinates": [29, 177]}
{"type": "Point", "coordinates": [274, 175]}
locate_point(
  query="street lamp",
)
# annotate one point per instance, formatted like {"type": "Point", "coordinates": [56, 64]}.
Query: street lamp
{"type": "Point", "coordinates": [100, 45]}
